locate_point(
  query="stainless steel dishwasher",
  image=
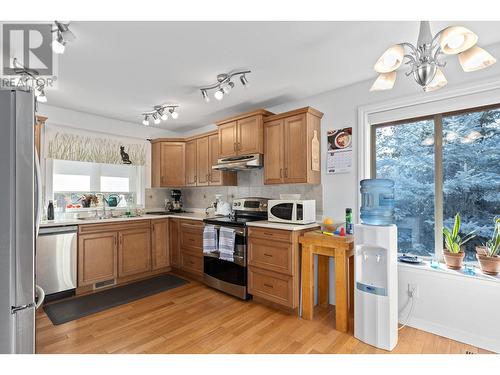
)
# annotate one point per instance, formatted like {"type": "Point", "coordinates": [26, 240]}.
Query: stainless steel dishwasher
{"type": "Point", "coordinates": [56, 259]}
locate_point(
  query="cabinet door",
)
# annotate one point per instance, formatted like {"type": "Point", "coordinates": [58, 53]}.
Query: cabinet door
{"type": "Point", "coordinates": [250, 136]}
{"type": "Point", "coordinates": [191, 163]}
{"type": "Point", "coordinates": [295, 149]}
{"type": "Point", "coordinates": [97, 257]}
{"type": "Point", "coordinates": [172, 164]}
{"type": "Point", "coordinates": [215, 177]}
{"type": "Point", "coordinates": [203, 162]}
{"type": "Point", "coordinates": [274, 153]}
{"type": "Point", "coordinates": [134, 252]}
{"type": "Point", "coordinates": [160, 243]}
{"type": "Point", "coordinates": [174, 242]}
{"type": "Point", "coordinates": [227, 139]}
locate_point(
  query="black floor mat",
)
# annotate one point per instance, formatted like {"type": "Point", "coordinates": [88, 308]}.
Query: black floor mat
{"type": "Point", "coordinates": [75, 308]}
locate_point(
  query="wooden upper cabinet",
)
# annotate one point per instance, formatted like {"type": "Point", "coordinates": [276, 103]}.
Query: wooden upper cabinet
{"type": "Point", "coordinates": [274, 152]}
{"type": "Point", "coordinates": [134, 251]}
{"type": "Point", "coordinates": [228, 139]}
{"type": "Point", "coordinates": [242, 134]}
{"type": "Point", "coordinates": [250, 136]}
{"type": "Point", "coordinates": [203, 166]}
{"type": "Point", "coordinates": [160, 243]}
{"type": "Point", "coordinates": [97, 257]}
{"type": "Point", "coordinates": [292, 152]}
{"type": "Point", "coordinates": [191, 176]}
{"type": "Point", "coordinates": [168, 164]}
{"type": "Point", "coordinates": [295, 128]}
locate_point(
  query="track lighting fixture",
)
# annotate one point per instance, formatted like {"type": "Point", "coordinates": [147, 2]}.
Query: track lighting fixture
{"type": "Point", "coordinates": [29, 81]}
{"type": "Point", "coordinates": [63, 36]}
{"type": "Point", "coordinates": [424, 58]}
{"type": "Point", "coordinates": [224, 85]}
{"type": "Point", "coordinates": [160, 112]}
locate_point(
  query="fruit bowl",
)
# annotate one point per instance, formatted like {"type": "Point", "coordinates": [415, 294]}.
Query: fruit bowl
{"type": "Point", "coordinates": [330, 227]}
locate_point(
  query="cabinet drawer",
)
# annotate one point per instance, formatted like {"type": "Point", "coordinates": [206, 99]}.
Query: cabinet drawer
{"type": "Point", "coordinates": [270, 234]}
{"type": "Point", "coordinates": [192, 240]}
{"type": "Point", "coordinates": [111, 227]}
{"type": "Point", "coordinates": [271, 286]}
{"type": "Point", "coordinates": [270, 255]}
{"type": "Point", "coordinates": [192, 263]}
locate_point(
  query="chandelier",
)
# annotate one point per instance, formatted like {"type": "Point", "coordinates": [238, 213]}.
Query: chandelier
{"type": "Point", "coordinates": [424, 59]}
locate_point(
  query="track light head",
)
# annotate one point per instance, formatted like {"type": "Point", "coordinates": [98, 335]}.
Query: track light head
{"type": "Point", "coordinates": [59, 45]}
{"type": "Point", "coordinates": [163, 114]}
{"type": "Point", "coordinates": [205, 96]}
{"type": "Point", "coordinates": [146, 120]}
{"type": "Point", "coordinates": [219, 94]}
{"type": "Point", "coordinates": [64, 35]}
{"type": "Point", "coordinates": [156, 119]}
{"type": "Point", "coordinates": [42, 98]}
{"type": "Point", "coordinates": [244, 81]}
{"type": "Point", "coordinates": [175, 115]}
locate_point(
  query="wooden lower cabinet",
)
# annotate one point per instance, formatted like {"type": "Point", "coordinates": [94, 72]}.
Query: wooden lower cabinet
{"type": "Point", "coordinates": [273, 265]}
{"type": "Point", "coordinates": [97, 257]}
{"type": "Point", "coordinates": [117, 252]}
{"type": "Point", "coordinates": [191, 246]}
{"type": "Point", "coordinates": [160, 243]}
{"type": "Point", "coordinates": [134, 252]}
{"type": "Point", "coordinates": [174, 234]}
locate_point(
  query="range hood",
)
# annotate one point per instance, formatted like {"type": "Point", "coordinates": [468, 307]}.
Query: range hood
{"type": "Point", "coordinates": [239, 163]}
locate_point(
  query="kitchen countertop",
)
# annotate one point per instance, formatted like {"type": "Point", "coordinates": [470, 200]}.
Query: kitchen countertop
{"type": "Point", "coordinates": [273, 225]}
{"type": "Point", "coordinates": [183, 215]}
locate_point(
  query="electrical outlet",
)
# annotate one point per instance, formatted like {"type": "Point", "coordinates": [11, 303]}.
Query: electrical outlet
{"type": "Point", "coordinates": [413, 290]}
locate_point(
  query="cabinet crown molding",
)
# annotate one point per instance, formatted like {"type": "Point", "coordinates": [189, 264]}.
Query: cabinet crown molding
{"type": "Point", "coordinates": [294, 112]}
{"type": "Point", "coordinates": [240, 116]}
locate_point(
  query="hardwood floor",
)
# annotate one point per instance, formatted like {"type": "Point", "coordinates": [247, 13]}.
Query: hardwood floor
{"type": "Point", "coordinates": [196, 319]}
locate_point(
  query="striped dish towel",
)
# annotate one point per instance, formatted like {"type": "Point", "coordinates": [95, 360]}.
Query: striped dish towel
{"type": "Point", "coordinates": [226, 244]}
{"type": "Point", "coordinates": [209, 239]}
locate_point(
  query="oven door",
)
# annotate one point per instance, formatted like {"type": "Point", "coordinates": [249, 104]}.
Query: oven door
{"type": "Point", "coordinates": [230, 272]}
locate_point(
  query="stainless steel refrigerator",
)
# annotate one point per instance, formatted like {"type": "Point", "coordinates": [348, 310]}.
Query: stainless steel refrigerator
{"type": "Point", "coordinates": [19, 218]}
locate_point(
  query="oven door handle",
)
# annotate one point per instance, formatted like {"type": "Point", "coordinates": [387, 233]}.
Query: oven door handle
{"type": "Point", "coordinates": [241, 232]}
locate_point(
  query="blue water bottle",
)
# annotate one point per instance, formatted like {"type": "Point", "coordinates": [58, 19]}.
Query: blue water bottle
{"type": "Point", "coordinates": [377, 201]}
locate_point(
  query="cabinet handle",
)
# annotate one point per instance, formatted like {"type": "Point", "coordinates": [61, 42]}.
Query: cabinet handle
{"type": "Point", "coordinates": [195, 178]}
{"type": "Point", "coordinates": [281, 172]}
{"type": "Point", "coordinates": [268, 285]}
{"type": "Point", "coordinates": [209, 177]}
{"type": "Point", "coordinates": [268, 255]}
{"type": "Point", "coordinates": [268, 234]}
{"type": "Point", "coordinates": [286, 172]}
{"type": "Point", "coordinates": [234, 146]}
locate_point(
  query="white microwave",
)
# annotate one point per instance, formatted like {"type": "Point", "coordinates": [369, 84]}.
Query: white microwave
{"type": "Point", "coordinates": [291, 211]}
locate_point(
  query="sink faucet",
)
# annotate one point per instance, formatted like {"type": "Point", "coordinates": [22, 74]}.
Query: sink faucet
{"type": "Point", "coordinates": [103, 204]}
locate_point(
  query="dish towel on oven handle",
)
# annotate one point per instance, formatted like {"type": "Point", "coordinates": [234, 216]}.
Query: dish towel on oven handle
{"type": "Point", "coordinates": [209, 239]}
{"type": "Point", "coordinates": [226, 244]}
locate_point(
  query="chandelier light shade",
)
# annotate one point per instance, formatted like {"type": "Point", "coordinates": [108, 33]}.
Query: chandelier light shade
{"type": "Point", "coordinates": [224, 85]}
{"type": "Point", "coordinates": [456, 39]}
{"type": "Point", "coordinates": [385, 81]}
{"type": "Point", "coordinates": [390, 60]}
{"type": "Point", "coordinates": [437, 82]}
{"type": "Point", "coordinates": [424, 59]}
{"type": "Point", "coordinates": [475, 58]}
{"type": "Point", "coordinates": [159, 113]}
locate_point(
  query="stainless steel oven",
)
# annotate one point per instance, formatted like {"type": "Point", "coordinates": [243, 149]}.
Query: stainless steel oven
{"type": "Point", "coordinates": [231, 276]}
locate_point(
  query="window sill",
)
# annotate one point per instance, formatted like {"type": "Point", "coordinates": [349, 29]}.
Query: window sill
{"type": "Point", "coordinates": [446, 272]}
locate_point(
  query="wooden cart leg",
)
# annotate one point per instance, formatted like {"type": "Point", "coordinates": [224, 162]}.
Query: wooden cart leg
{"type": "Point", "coordinates": [307, 282]}
{"type": "Point", "coordinates": [341, 291]}
{"type": "Point", "coordinates": [323, 279]}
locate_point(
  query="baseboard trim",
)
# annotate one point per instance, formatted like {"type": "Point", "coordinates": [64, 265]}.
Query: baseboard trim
{"type": "Point", "coordinates": [456, 334]}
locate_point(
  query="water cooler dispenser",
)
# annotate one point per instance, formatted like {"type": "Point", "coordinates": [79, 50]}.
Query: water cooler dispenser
{"type": "Point", "coordinates": [375, 270]}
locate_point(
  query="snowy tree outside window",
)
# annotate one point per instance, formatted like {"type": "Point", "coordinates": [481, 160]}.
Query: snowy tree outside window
{"type": "Point", "coordinates": [405, 153]}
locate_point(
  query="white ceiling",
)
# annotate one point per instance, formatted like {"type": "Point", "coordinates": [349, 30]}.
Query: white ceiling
{"type": "Point", "coordinates": [120, 69]}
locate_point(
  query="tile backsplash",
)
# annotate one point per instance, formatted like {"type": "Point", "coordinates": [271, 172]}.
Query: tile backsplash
{"type": "Point", "coordinates": [250, 184]}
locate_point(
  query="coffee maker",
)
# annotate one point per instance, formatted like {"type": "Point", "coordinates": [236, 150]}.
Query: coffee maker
{"type": "Point", "coordinates": [176, 200]}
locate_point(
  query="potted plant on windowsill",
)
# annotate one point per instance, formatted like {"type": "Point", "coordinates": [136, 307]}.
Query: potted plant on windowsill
{"type": "Point", "coordinates": [487, 255]}
{"type": "Point", "coordinates": [454, 253]}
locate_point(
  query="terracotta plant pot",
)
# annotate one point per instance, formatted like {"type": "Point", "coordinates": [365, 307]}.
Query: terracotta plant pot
{"type": "Point", "coordinates": [489, 265]}
{"type": "Point", "coordinates": [454, 261]}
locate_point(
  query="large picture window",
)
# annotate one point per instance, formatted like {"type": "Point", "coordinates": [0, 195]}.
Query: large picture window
{"type": "Point", "coordinates": [441, 165]}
